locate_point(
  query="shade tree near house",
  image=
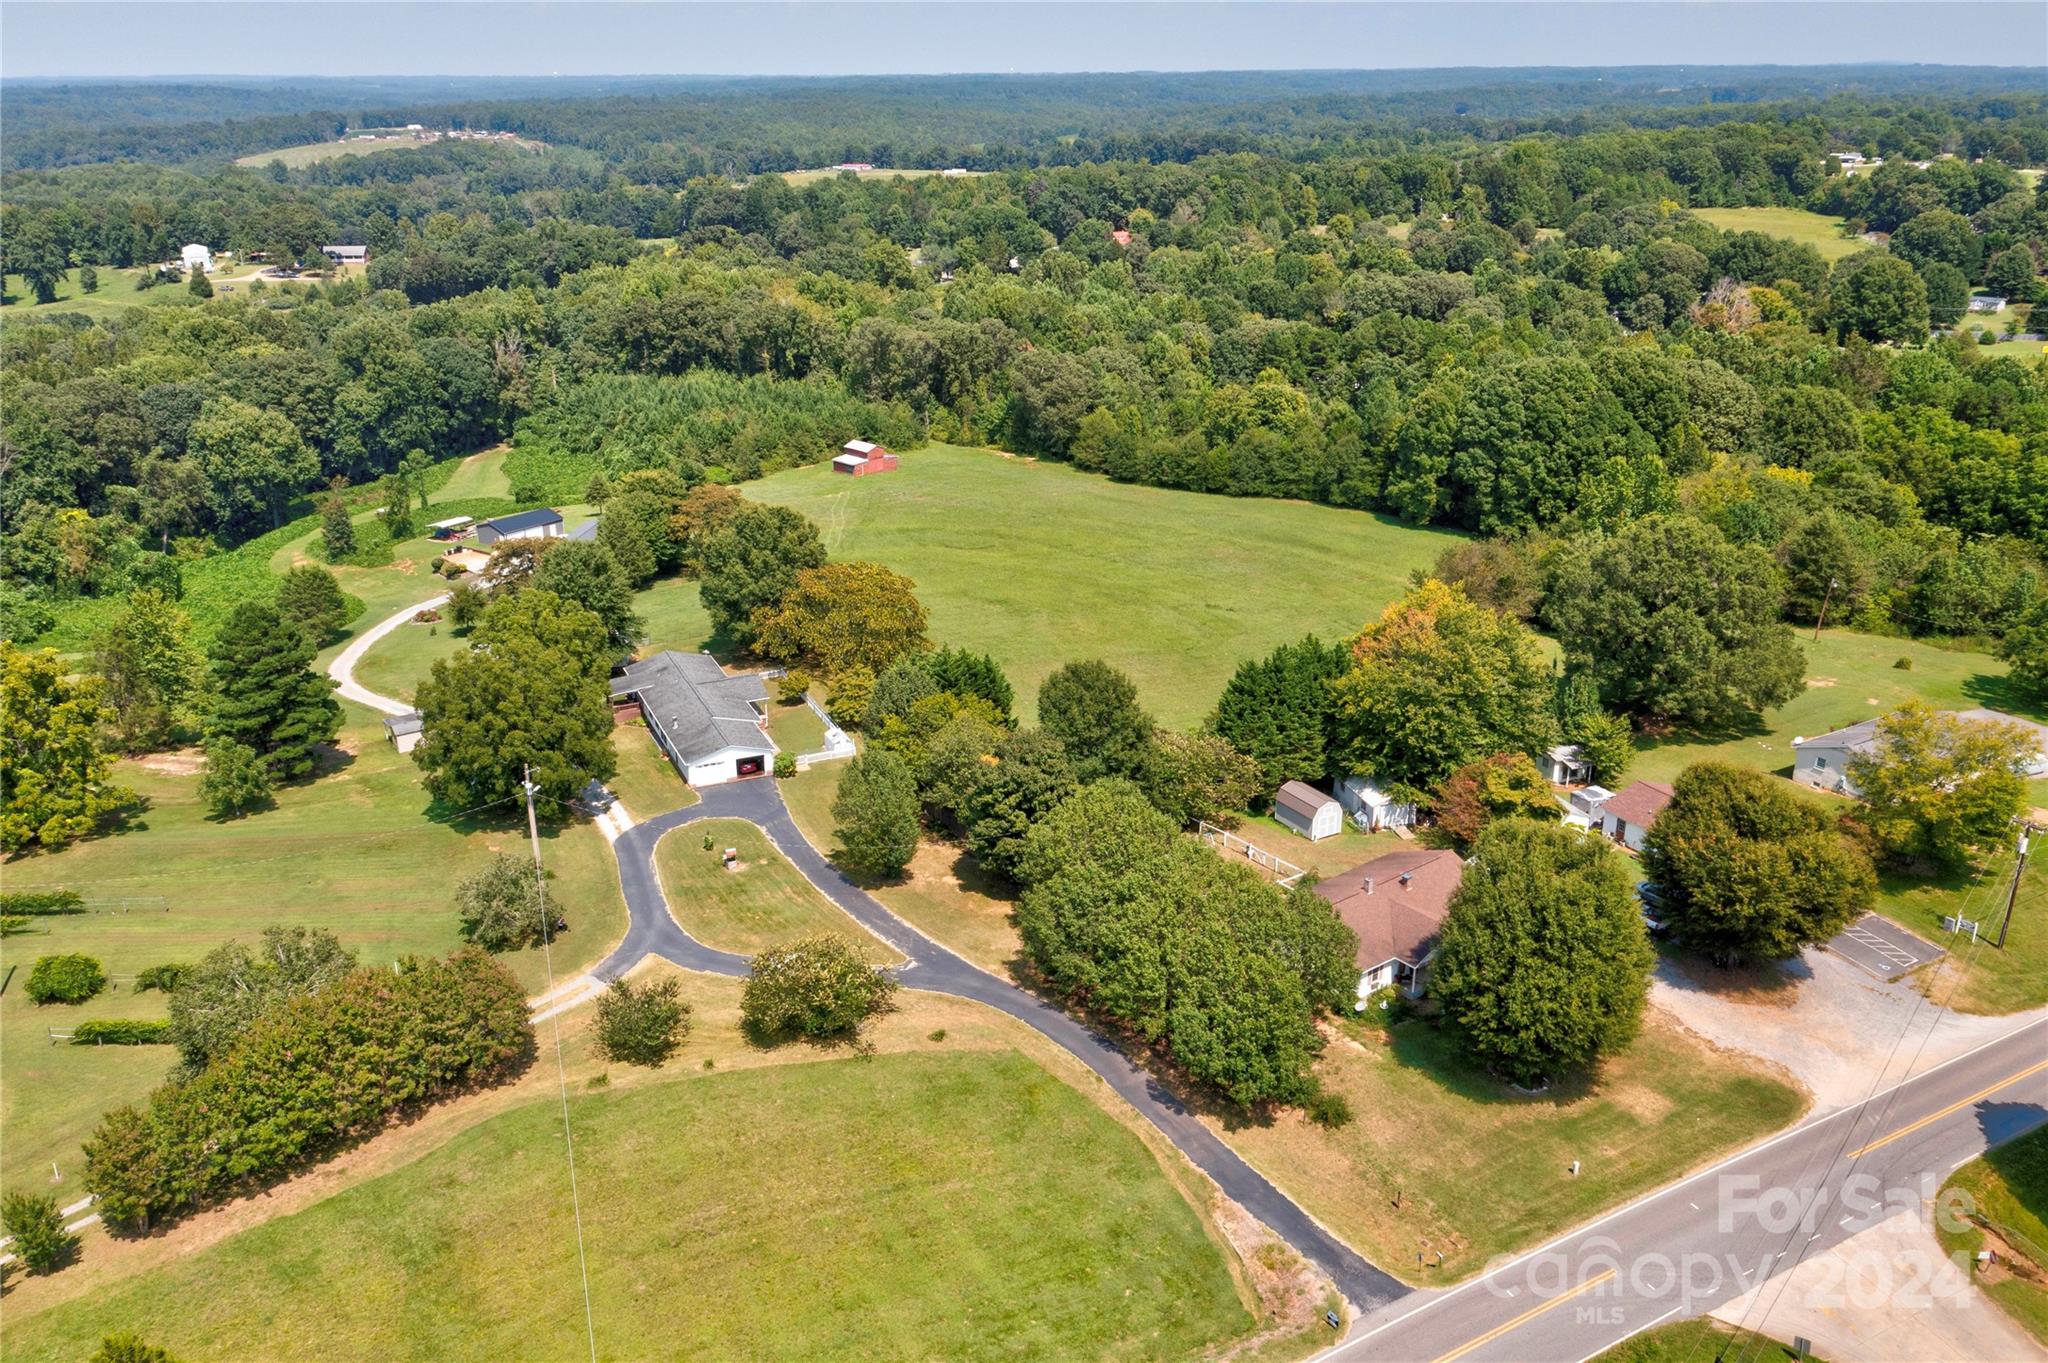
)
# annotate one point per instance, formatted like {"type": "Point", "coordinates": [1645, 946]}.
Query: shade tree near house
{"type": "Point", "coordinates": [1673, 622]}
{"type": "Point", "coordinates": [587, 575]}
{"type": "Point", "coordinates": [535, 699]}
{"type": "Point", "coordinates": [1503, 786]}
{"type": "Point", "coordinates": [1198, 776]}
{"type": "Point", "coordinates": [844, 615]}
{"type": "Point", "coordinates": [1436, 682]}
{"type": "Point", "coordinates": [56, 778]}
{"type": "Point", "coordinates": [1938, 788]}
{"type": "Point", "coordinates": [1203, 957]}
{"type": "Point", "coordinates": [1544, 968]}
{"type": "Point", "coordinates": [1745, 868]}
{"type": "Point", "coordinates": [752, 561]}
{"type": "Point", "coordinates": [266, 695]}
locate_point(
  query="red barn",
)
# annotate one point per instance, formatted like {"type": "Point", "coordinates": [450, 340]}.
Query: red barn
{"type": "Point", "coordinates": [862, 456]}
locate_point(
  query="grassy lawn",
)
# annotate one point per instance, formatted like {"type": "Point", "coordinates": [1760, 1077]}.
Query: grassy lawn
{"type": "Point", "coordinates": [1479, 1170]}
{"type": "Point", "coordinates": [1697, 1341]}
{"type": "Point", "coordinates": [903, 1209]}
{"type": "Point", "coordinates": [356, 851]}
{"type": "Point", "coordinates": [763, 904]}
{"type": "Point", "coordinates": [1040, 565]}
{"type": "Point", "coordinates": [646, 782]}
{"type": "Point", "coordinates": [2008, 1186]}
{"type": "Point", "coordinates": [1817, 230]}
{"type": "Point", "coordinates": [1327, 858]}
{"type": "Point", "coordinates": [1978, 978]}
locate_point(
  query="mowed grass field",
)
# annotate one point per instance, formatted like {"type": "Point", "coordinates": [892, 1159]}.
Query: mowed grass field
{"type": "Point", "coordinates": [762, 902]}
{"type": "Point", "coordinates": [358, 851]}
{"type": "Point", "coordinates": [896, 1208]}
{"type": "Point", "coordinates": [1477, 1169]}
{"type": "Point", "coordinates": [1039, 565]}
{"type": "Point", "coordinates": [1817, 230]}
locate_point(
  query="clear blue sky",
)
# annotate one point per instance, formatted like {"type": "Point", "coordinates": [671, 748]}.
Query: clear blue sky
{"type": "Point", "coordinates": [592, 38]}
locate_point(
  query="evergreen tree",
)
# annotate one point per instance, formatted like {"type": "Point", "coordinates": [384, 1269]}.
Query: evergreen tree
{"type": "Point", "coordinates": [875, 815]}
{"type": "Point", "coordinates": [267, 696]}
{"type": "Point", "coordinates": [199, 285]}
{"type": "Point", "coordinates": [1030, 778]}
{"type": "Point", "coordinates": [1278, 710]}
{"type": "Point", "coordinates": [310, 598]}
{"type": "Point", "coordinates": [337, 531]}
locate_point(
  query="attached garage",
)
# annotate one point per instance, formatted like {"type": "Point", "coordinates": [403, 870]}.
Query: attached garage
{"type": "Point", "coordinates": [707, 721]}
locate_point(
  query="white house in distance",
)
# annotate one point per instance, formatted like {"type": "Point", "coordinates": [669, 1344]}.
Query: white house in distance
{"type": "Point", "coordinates": [709, 723]}
{"type": "Point", "coordinates": [1371, 808]}
{"type": "Point", "coordinates": [543, 524]}
{"type": "Point", "coordinates": [1308, 811]}
{"type": "Point", "coordinates": [196, 257]}
{"type": "Point", "coordinates": [1626, 815]}
{"type": "Point", "coordinates": [1823, 760]}
{"type": "Point", "coordinates": [1396, 905]}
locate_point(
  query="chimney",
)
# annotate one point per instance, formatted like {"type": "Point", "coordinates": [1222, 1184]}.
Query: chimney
{"type": "Point", "coordinates": [1407, 876]}
{"type": "Point", "coordinates": [1368, 884]}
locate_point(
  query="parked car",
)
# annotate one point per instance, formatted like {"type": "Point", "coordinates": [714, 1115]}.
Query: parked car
{"type": "Point", "coordinates": [1652, 900]}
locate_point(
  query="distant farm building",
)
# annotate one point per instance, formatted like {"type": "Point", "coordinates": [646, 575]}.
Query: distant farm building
{"type": "Point", "coordinates": [196, 257]}
{"type": "Point", "coordinates": [862, 456]}
{"type": "Point", "coordinates": [1986, 302]}
{"type": "Point", "coordinates": [544, 524]}
{"type": "Point", "coordinates": [454, 528]}
{"type": "Point", "coordinates": [708, 723]}
{"type": "Point", "coordinates": [1308, 811]}
{"type": "Point", "coordinates": [1121, 237]}
{"type": "Point", "coordinates": [855, 165]}
{"type": "Point", "coordinates": [346, 255]}
{"type": "Point", "coordinates": [1396, 906]}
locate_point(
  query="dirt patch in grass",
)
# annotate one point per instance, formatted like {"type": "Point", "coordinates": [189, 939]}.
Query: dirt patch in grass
{"type": "Point", "coordinates": [183, 762]}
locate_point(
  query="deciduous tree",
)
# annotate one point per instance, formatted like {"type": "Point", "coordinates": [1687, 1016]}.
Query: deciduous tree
{"type": "Point", "coordinates": [1545, 963]}
{"type": "Point", "coordinates": [752, 561]}
{"type": "Point", "coordinates": [501, 907]}
{"type": "Point", "coordinates": [1437, 682]}
{"type": "Point", "coordinates": [150, 668]}
{"type": "Point", "coordinates": [875, 814]}
{"type": "Point", "coordinates": [55, 777]}
{"type": "Point", "coordinates": [1503, 786]}
{"type": "Point", "coordinates": [816, 988]}
{"type": "Point", "coordinates": [217, 1000]}
{"type": "Point", "coordinates": [1938, 787]}
{"type": "Point", "coordinates": [588, 575]}
{"type": "Point", "coordinates": [235, 780]}
{"type": "Point", "coordinates": [1031, 776]}
{"type": "Point", "coordinates": [1746, 868]}
{"type": "Point", "coordinates": [843, 615]}
{"type": "Point", "coordinates": [36, 1230]}
{"type": "Point", "coordinates": [1093, 710]}
{"type": "Point", "coordinates": [641, 1024]}
{"type": "Point", "coordinates": [1198, 776]}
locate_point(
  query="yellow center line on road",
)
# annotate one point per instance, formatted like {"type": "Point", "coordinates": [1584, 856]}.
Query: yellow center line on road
{"type": "Point", "coordinates": [1497, 1331]}
{"type": "Point", "coordinates": [1931, 1117]}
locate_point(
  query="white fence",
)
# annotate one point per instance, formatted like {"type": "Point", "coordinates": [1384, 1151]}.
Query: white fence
{"type": "Point", "coordinates": [1284, 872]}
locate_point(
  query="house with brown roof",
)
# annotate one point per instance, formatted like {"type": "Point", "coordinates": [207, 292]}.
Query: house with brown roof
{"type": "Point", "coordinates": [1626, 815]}
{"type": "Point", "coordinates": [1396, 905]}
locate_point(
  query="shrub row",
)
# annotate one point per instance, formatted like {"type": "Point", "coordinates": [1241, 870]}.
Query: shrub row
{"type": "Point", "coordinates": [312, 1072]}
{"type": "Point", "coordinates": [122, 1032]}
{"type": "Point", "coordinates": [17, 902]}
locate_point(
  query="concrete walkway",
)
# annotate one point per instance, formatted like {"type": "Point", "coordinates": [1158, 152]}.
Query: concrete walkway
{"type": "Point", "coordinates": [653, 931]}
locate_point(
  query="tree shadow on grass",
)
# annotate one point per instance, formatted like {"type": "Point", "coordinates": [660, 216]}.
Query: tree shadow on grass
{"type": "Point", "coordinates": [1998, 693]}
{"type": "Point", "coordinates": [1430, 1050]}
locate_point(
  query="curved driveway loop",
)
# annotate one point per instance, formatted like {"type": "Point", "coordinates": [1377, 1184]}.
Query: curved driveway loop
{"type": "Point", "coordinates": [929, 966]}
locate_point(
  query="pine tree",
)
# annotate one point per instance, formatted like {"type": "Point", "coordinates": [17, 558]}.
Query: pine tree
{"type": "Point", "coordinates": [267, 695]}
{"type": "Point", "coordinates": [337, 531]}
{"type": "Point", "coordinates": [310, 598]}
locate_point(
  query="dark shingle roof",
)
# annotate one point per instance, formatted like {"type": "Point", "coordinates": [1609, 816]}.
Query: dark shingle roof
{"type": "Point", "coordinates": [1396, 903]}
{"type": "Point", "coordinates": [1301, 799]}
{"type": "Point", "coordinates": [525, 520]}
{"type": "Point", "coordinates": [698, 708]}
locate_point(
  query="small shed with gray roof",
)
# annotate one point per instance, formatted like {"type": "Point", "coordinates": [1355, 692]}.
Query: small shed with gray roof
{"type": "Point", "coordinates": [708, 721]}
{"type": "Point", "coordinates": [1308, 811]}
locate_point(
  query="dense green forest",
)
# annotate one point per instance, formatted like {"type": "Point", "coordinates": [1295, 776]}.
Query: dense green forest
{"type": "Point", "coordinates": [1488, 307]}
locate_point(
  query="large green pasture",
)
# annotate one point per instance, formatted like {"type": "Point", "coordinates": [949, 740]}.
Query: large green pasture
{"type": "Point", "coordinates": [359, 851]}
{"type": "Point", "coordinates": [1040, 565]}
{"type": "Point", "coordinates": [900, 1207]}
{"type": "Point", "coordinates": [1817, 230]}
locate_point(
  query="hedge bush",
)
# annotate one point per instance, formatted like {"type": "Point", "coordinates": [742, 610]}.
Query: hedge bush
{"type": "Point", "coordinates": [163, 977]}
{"type": "Point", "coordinates": [312, 1072]}
{"type": "Point", "coordinates": [123, 1032]}
{"type": "Point", "coordinates": [65, 979]}
{"type": "Point", "coordinates": [24, 902]}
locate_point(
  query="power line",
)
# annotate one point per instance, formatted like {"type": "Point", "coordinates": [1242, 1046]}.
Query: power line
{"type": "Point", "coordinates": [547, 937]}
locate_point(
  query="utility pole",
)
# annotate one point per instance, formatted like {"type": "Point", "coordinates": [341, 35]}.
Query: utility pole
{"type": "Point", "coordinates": [1828, 596]}
{"type": "Point", "coordinates": [2012, 892]}
{"type": "Point", "coordinates": [540, 880]}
